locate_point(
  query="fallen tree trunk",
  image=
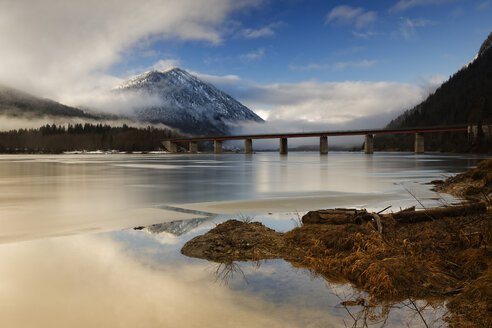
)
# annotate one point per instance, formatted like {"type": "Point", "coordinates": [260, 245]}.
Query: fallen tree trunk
{"type": "Point", "coordinates": [335, 216]}
{"type": "Point", "coordinates": [339, 216]}
{"type": "Point", "coordinates": [406, 216]}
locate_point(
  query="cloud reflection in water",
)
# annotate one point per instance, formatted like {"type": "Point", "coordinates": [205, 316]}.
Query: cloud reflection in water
{"type": "Point", "coordinates": [90, 280]}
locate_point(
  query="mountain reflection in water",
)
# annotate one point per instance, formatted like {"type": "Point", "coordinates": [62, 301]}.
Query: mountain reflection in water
{"type": "Point", "coordinates": [126, 278]}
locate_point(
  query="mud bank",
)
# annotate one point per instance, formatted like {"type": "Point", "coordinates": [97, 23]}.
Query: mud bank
{"type": "Point", "coordinates": [442, 255]}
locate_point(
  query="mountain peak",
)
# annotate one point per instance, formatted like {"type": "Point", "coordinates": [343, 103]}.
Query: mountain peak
{"type": "Point", "coordinates": [183, 101]}
{"type": "Point", "coordinates": [156, 78]}
{"type": "Point", "coordinates": [486, 45]}
{"type": "Point", "coordinates": [176, 70]}
{"type": "Point", "coordinates": [171, 70]}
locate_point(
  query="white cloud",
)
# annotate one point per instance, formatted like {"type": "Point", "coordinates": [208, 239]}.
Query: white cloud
{"type": "Point", "coordinates": [253, 55]}
{"type": "Point", "coordinates": [364, 35]}
{"type": "Point", "coordinates": [403, 5]}
{"type": "Point", "coordinates": [315, 106]}
{"type": "Point", "coordinates": [346, 15]}
{"type": "Point", "coordinates": [429, 84]}
{"type": "Point", "coordinates": [94, 281]}
{"type": "Point", "coordinates": [309, 67]}
{"type": "Point", "coordinates": [165, 64]}
{"type": "Point", "coordinates": [59, 49]}
{"type": "Point", "coordinates": [340, 66]}
{"type": "Point", "coordinates": [360, 64]}
{"type": "Point", "coordinates": [483, 5]}
{"type": "Point", "coordinates": [349, 51]}
{"type": "Point", "coordinates": [408, 27]}
{"type": "Point", "coordinates": [336, 103]}
{"type": "Point", "coordinates": [221, 80]}
{"type": "Point", "coordinates": [265, 31]}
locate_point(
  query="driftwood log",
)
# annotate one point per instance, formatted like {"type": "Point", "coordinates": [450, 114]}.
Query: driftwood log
{"type": "Point", "coordinates": [412, 216]}
{"type": "Point", "coordinates": [335, 216]}
{"type": "Point", "coordinates": [339, 216]}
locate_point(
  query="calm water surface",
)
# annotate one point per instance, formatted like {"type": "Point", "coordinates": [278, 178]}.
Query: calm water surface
{"type": "Point", "coordinates": [70, 257]}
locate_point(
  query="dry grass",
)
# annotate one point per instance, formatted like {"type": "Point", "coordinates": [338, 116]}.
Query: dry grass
{"type": "Point", "coordinates": [446, 259]}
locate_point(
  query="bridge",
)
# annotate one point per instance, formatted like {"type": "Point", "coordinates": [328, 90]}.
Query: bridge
{"type": "Point", "coordinates": [172, 144]}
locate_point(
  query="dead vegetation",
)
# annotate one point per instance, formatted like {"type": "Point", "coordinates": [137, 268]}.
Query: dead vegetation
{"type": "Point", "coordinates": [236, 240]}
{"type": "Point", "coordinates": [442, 256]}
{"type": "Point", "coordinates": [447, 259]}
{"type": "Point", "coordinates": [474, 184]}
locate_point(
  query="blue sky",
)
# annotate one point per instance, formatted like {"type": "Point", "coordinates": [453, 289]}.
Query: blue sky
{"type": "Point", "coordinates": [313, 63]}
{"type": "Point", "coordinates": [293, 41]}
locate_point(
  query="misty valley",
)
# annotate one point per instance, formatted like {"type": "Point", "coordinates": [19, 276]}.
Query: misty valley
{"type": "Point", "coordinates": [253, 163]}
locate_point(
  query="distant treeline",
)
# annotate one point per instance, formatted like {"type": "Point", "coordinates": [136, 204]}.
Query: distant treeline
{"type": "Point", "coordinates": [456, 142]}
{"type": "Point", "coordinates": [89, 137]}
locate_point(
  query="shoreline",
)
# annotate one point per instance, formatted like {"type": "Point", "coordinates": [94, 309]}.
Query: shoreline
{"type": "Point", "coordinates": [440, 255]}
{"type": "Point", "coordinates": [226, 152]}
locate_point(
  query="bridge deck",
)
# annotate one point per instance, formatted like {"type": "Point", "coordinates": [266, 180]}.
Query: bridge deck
{"type": "Point", "coordinates": [328, 134]}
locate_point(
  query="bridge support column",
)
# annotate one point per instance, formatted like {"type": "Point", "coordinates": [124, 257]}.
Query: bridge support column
{"type": "Point", "coordinates": [419, 143]}
{"type": "Point", "coordinates": [218, 146]}
{"type": "Point", "coordinates": [323, 145]}
{"type": "Point", "coordinates": [283, 146]}
{"type": "Point", "coordinates": [193, 147]}
{"type": "Point", "coordinates": [369, 144]}
{"type": "Point", "coordinates": [248, 146]}
{"type": "Point", "coordinates": [170, 146]}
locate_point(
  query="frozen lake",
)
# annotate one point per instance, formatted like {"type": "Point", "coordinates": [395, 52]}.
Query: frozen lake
{"type": "Point", "coordinates": [98, 271]}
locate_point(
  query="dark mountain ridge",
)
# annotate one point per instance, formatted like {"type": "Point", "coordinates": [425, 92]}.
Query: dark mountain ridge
{"type": "Point", "coordinates": [466, 98]}
{"type": "Point", "coordinates": [16, 103]}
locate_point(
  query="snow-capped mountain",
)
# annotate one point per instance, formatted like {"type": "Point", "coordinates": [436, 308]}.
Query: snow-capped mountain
{"type": "Point", "coordinates": [181, 100]}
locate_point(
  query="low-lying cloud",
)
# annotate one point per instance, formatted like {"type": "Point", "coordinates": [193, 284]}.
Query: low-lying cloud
{"type": "Point", "coordinates": [325, 102]}
{"type": "Point", "coordinates": [58, 49]}
{"type": "Point", "coordinates": [323, 106]}
{"type": "Point", "coordinates": [8, 123]}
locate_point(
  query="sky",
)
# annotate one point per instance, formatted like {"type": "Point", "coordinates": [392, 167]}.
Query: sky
{"type": "Point", "coordinates": [346, 64]}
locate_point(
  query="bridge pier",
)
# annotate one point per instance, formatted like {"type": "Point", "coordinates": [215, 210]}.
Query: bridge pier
{"type": "Point", "coordinates": [419, 143]}
{"type": "Point", "coordinates": [323, 145]}
{"type": "Point", "coordinates": [193, 147]}
{"type": "Point", "coordinates": [369, 144]}
{"type": "Point", "coordinates": [170, 146]}
{"type": "Point", "coordinates": [283, 146]}
{"type": "Point", "coordinates": [248, 146]}
{"type": "Point", "coordinates": [218, 146]}
{"type": "Point", "coordinates": [475, 131]}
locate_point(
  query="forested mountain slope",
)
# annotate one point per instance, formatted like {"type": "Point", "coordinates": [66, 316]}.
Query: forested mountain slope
{"type": "Point", "coordinates": [466, 98]}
